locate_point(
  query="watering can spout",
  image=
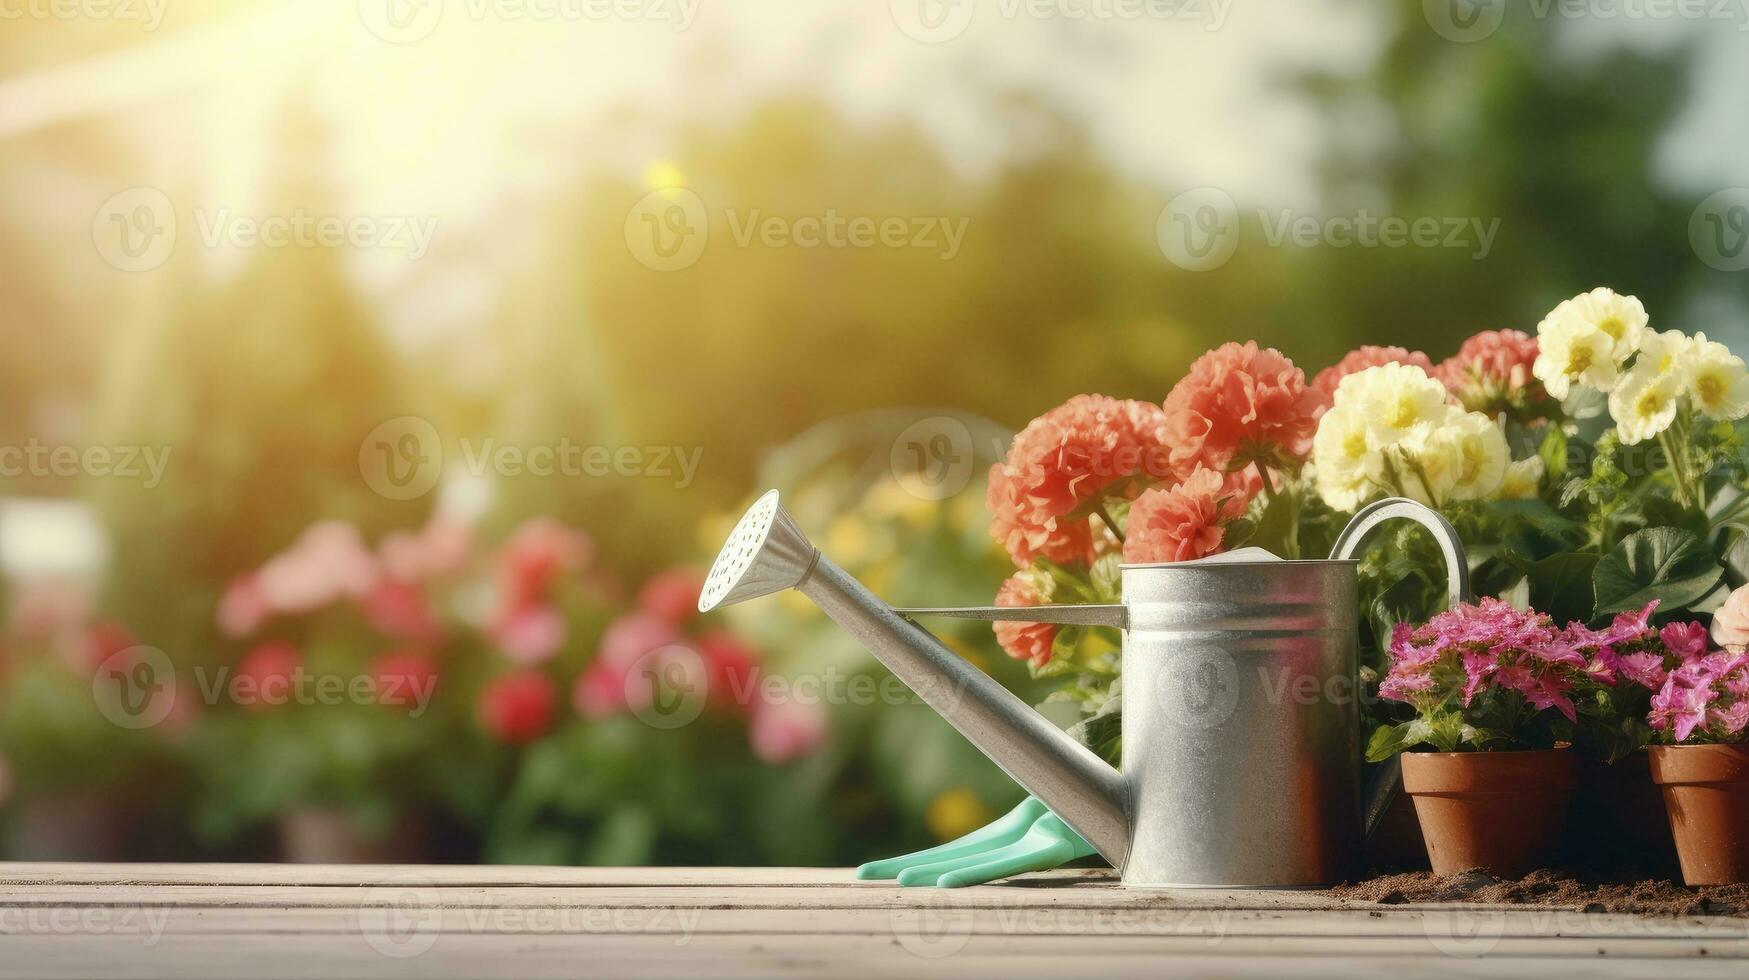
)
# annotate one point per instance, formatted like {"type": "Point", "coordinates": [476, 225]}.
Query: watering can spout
{"type": "Point", "coordinates": [768, 553]}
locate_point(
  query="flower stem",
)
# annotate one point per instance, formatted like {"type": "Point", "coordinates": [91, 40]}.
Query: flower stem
{"type": "Point", "coordinates": [1105, 516]}
{"type": "Point", "coordinates": [1291, 541]}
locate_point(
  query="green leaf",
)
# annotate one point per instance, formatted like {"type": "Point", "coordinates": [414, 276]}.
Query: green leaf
{"type": "Point", "coordinates": [1553, 453]}
{"type": "Point", "coordinates": [1560, 585]}
{"type": "Point", "coordinates": [1664, 563]}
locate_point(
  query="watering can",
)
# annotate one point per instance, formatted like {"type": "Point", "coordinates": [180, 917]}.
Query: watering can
{"type": "Point", "coordinates": [1241, 726]}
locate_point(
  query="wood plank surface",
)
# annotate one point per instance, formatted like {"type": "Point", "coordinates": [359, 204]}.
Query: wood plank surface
{"type": "Point", "coordinates": [267, 921]}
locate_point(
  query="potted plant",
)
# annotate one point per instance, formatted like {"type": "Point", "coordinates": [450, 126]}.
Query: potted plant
{"type": "Point", "coordinates": [1700, 717]}
{"type": "Point", "coordinates": [1493, 691]}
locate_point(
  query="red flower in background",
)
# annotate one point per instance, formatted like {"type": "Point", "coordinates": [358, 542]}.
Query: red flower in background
{"type": "Point", "coordinates": [264, 677]}
{"type": "Point", "coordinates": [531, 634]}
{"type": "Point", "coordinates": [672, 595]}
{"type": "Point", "coordinates": [404, 678]}
{"type": "Point", "coordinates": [731, 668]}
{"type": "Point", "coordinates": [1183, 523]}
{"type": "Point", "coordinates": [105, 640]}
{"type": "Point", "coordinates": [1240, 403]}
{"type": "Point", "coordinates": [1061, 464]}
{"type": "Point", "coordinates": [1025, 641]}
{"type": "Point", "coordinates": [537, 553]}
{"type": "Point", "coordinates": [401, 610]}
{"type": "Point", "coordinates": [1365, 357]}
{"type": "Point", "coordinates": [518, 708]}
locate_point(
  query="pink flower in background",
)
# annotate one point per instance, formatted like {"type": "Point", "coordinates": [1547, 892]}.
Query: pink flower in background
{"type": "Point", "coordinates": [1063, 462]}
{"type": "Point", "coordinates": [782, 731]}
{"type": "Point", "coordinates": [1365, 357]}
{"type": "Point", "coordinates": [1491, 373]}
{"type": "Point", "coordinates": [601, 689]}
{"type": "Point", "coordinates": [328, 562]}
{"type": "Point", "coordinates": [1025, 641]}
{"type": "Point", "coordinates": [1731, 621]}
{"type": "Point", "coordinates": [403, 678]}
{"type": "Point", "coordinates": [530, 634]}
{"type": "Point", "coordinates": [402, 611]}
{"type": "Point", "coordinates": [1239, 402]}
{"type": "Point", "coordinates": [1183, 523]}
{"type": "Point", "coordinates": [634, 634]}
{"type": "Point", "coordinates": [518, 708]}
{"type": "Point", "coordinates": [442, 547]}
{"type": "Point", "coordinates": [672, 595]}
{"type": "Point", "coordinates": [264, 678]}
{"type": "Point", "coordinates": [537, 553]}
{"type": "Point", "coordinates": [242, 609]}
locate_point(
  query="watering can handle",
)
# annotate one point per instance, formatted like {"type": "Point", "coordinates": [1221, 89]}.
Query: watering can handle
{"type": "Point", "coordinates": [1382, 789]}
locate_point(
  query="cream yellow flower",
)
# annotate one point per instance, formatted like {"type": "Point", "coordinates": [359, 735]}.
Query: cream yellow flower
{"type": "Point", "coordinates": [1463, 458]}
{"type": "Point", "coordinates": [1570, 353]}
{"type": "Point", "coordinates": [1644, 403]}
{"type": "Point", "coordinates": [1523, 479]}
{"type": "Point", "coordinates": [1343, 458]}
{"type": "Point", "coordinates": [1716, 380]}
{"type": "Point", "coordinates": [1621, 318]}
{"type": "Point", "coordinates": [1396, 401]}
{"type": "Point", "coordinates": [1665, 353]}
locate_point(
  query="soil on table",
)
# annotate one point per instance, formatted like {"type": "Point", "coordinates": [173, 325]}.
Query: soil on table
{"type": "Point", "coordinates": [1552, 889]}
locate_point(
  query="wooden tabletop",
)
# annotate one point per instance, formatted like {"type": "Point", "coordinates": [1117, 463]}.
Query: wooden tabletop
{"type": "Point", "coordinates": [272, 921]}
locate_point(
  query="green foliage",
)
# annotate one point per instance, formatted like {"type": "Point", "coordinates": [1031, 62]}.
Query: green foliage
{"type": "Point", "coordinates": [1664, 564]}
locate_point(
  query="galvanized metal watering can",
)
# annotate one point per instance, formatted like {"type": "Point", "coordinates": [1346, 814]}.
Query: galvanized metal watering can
{"type": "Point", "coordinates": [1241, 729]}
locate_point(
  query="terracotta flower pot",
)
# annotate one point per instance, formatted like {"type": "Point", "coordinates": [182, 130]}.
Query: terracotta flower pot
{"type": "Point", "coordinates": [1500, 811]}
{"type": "Point", "coordinates": [1706, 792]}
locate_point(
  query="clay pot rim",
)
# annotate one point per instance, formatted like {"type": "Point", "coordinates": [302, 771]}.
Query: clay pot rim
{"type": "Point", "coordinates": [1517, 771]}
{"type": "Point", "coordinates": [1679, 765]}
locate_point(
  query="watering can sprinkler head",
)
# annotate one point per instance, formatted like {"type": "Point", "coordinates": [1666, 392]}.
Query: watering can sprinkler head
{"type": "Point", "coordinates": [765, 553]}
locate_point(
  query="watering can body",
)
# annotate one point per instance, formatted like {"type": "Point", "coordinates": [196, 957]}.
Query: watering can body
{"type": "Point", "coordinates": [1241, 728]}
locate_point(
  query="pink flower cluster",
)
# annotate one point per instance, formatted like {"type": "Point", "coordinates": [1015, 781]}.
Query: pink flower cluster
{"type": "Point", "coordinates": [1708, 694]}
{"type": "Point", "coordinates": [1469, 650]}
{"type": "Point", "coordinates": [1465, 652]}
{"type": "Point", "coordinates": [1491, 373]}
{"type": "Point", "coordinates": [1060, 466]}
